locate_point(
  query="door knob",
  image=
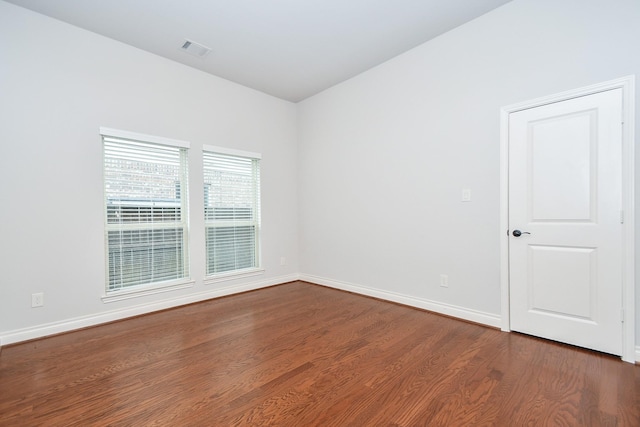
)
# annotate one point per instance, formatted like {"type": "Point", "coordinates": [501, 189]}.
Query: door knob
{"type": "Point", "coordinates": [518, 233]}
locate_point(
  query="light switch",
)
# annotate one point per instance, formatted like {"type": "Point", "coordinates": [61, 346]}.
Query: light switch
{"type": "Point", "coordinates": [466, 195]}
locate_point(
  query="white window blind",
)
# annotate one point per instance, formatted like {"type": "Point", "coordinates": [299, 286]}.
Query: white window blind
{"type": "Point", "coordinates": [232, 211]}
{"type": "Point", "coordinates": [146, 212]}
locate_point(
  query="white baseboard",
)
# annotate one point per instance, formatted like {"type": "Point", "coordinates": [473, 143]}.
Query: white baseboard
{"type": "Point", "coordinates": [39, 331]}
{"type": "Point", "coordinates": [475, 316]}
{"type": "Point", "coordinates": [637, 354]}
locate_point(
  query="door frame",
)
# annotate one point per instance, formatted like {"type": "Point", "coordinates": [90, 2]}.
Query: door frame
{"type": "Point", "coordinates": [627, 84]}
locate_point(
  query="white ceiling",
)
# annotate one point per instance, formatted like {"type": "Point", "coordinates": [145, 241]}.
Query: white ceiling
{"type": "Point", "coordinates": [291, 49]}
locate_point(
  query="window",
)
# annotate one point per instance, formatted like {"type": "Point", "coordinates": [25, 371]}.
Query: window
{"type": "Point", "coordinates": [145, 186]}
{"type": "Point", "coordinates": [231, 210]}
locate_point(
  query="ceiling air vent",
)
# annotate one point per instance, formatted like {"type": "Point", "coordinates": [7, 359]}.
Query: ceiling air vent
{"type": "Point", "coordinates": [195, 49]}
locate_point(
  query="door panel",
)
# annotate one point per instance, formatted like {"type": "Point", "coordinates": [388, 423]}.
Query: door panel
{"type": "Point", "coordinates": [565, 177]}
{"type": "Point", "coordinates": [562, 283]}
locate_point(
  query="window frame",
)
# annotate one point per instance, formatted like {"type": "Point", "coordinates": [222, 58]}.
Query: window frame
{"type": "Point", "coordinates": [257, 269]}
{"type": "Point", "coordinates": [136, 290]}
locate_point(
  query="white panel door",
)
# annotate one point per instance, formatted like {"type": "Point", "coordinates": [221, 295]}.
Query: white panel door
{"type": "Point", "coordinates": [565, 243]}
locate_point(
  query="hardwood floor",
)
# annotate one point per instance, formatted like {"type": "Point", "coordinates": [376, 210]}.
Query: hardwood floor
{"type": "Point", "coordinates": [304, 355]}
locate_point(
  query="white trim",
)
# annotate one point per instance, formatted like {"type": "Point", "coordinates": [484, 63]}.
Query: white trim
{"type": "Point", "coordinates": [39, 331]}
{"type": "Point", "coordinates": [504, 219]}
{"type": "Point", "coordinates": [146, 290]}
{"type": "Point", "coordinates": [638, 354]}
{"type": "Point", "coordinates": [236, 274]}
{"type": "Point", "coordinates": [231, 152]}
{"type": "Point", "coordinates": [116, 133]}
{"type": "Point", "coordinates": [621, 83]}
{"type": "Point", "coordinates": [627, 84]}
{"type": "Point", "coordinates": [475, 316]}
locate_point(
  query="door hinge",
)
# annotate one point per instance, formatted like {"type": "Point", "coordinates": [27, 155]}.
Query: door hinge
{"type": "Point", "coordinates": [621, 217]}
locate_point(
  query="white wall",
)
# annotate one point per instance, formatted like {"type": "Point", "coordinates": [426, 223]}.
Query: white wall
{"type": "Point", "coordinates": [378, 162]}
{"type": "Point", "coordinates": [58, 85]}
{"type": "Point", "coordinates": [385, 155]}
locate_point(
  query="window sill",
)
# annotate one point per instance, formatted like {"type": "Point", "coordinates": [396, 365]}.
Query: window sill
{"type": "Point", "coordinates": [222, 277]}
{"type": "Point", "coordinates": [145, 291]}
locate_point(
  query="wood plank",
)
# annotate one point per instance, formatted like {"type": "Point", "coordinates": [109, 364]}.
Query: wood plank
{"type": "Point", "coordinates": [300, 354]}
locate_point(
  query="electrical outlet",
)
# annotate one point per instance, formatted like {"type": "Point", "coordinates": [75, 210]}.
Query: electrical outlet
{"type": "Point", "coordinates": [283, 261]}
{"type": "Point", "coordinates": [37, 299]}
{"type": "Point", "coordinates": [466, 195]}
{"type": "Point", "coordinates": [444, 281]}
